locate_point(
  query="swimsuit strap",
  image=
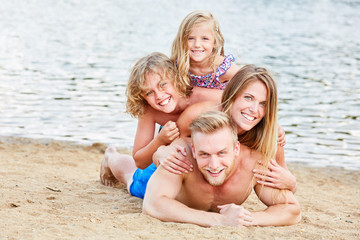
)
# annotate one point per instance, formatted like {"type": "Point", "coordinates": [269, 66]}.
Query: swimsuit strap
{"type": "Point", "coordinates": [224, 66]}
{"type": "Point", "coordinates": [212, 80]}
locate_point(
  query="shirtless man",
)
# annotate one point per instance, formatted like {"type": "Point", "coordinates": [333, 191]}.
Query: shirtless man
{"type": "Point", "coordinates": [222, 179]}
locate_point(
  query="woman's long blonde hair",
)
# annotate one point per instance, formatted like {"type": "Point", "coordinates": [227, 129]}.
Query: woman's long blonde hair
{"type": "Point", "coordinates": [262, 137]}
{"type": "Point", "coordinates": [155, 62]}
{"type": "Point", "coordinates": [179, 51]}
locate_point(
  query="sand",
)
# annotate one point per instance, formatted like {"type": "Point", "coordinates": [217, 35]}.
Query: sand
{"type": "Point", "coordinates": [51, 190]}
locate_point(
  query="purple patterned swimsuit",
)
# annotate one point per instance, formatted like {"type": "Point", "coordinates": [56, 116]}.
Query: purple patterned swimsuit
{"type": "Point", "coordinates": [209, 81]}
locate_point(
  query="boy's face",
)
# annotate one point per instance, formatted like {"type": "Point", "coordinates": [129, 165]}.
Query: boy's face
{"type": "Point", "coordinates": [215, 154]}
{"type": "Point", "coordinates": [160, 93]}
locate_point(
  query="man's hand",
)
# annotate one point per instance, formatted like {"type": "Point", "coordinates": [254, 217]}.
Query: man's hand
{"type": "Point", "coordinates": [235, 215]}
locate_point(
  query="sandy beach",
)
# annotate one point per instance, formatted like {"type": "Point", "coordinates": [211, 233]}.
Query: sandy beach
{"type": "Point", "coordinates": [51, 190]}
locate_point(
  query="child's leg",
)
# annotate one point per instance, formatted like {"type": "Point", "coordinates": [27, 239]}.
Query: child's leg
{"type": "Point", "coordinates": [116, 167]}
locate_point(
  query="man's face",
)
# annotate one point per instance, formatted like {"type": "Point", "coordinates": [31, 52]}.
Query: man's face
{"type": "Point", "coordinates": [214, 154]}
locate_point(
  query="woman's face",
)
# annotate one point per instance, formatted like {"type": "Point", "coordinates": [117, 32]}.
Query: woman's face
{"type": "Point", "coordinates": [249, 106]}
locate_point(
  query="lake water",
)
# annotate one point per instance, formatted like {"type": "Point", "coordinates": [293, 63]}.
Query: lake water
{"type": "Point", "coordinates": [64, 66]}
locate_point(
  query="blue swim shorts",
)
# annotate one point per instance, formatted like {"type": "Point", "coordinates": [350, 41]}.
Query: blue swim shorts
{"type": "Point", "coordinates": [140, 181]}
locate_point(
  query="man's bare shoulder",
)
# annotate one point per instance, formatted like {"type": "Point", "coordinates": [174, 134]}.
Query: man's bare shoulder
{"type": "Point", "coordinates": [250, 157]}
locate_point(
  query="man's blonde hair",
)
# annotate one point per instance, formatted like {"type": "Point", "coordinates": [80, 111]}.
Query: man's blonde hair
{"type": "Point", "coordinates": [157, 63]}
{"type": "Point", "coordinates": [179, 51]}
{"type": "Point", "coordinates": [211, 121]}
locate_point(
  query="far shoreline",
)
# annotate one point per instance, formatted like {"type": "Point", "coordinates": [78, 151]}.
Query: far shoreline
{"type": "Point", "coordinates": [128, 150]}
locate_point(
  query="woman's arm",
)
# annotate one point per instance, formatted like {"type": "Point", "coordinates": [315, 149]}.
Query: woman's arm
{"type": "Point", "coordinates": [276, 176]}
{"type": "Point", "coordinates": [191, 113]}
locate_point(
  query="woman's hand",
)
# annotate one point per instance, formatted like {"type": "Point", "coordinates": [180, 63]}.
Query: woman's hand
{"type": "Point", "coordinates": [173, 158]}
{"type": "Point", "coordinates": [281, 136]}
{"type": "Point", "coordinates": [276, 177]}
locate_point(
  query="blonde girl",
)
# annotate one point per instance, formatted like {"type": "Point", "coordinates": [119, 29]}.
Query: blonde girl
{"type": "Point", "coordinates": [198, 51]}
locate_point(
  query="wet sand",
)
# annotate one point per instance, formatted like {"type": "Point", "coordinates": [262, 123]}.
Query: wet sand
{"type": "Point", "coordinates": [51, 190]}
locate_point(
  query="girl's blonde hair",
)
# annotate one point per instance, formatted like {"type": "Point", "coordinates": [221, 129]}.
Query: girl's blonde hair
{"type": "Point", "coordinates": [157, 63]}
{"type": "Point", "coordinates": [179, 51]}
{"type": "Point", "coordinates": [262, 137]}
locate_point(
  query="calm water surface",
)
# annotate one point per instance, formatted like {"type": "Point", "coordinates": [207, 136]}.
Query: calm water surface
{"type": "Point", "coordinates": [64, 66]}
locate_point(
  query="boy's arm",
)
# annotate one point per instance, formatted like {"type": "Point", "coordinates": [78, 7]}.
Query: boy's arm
{"type": "Point", "coordinates": [145, 143]}
{"type": "Point", "coordinates": [283, 208]}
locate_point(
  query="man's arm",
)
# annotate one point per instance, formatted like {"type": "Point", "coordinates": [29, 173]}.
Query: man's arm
{"type": "Point", "coordinates": [159, 201]}
{"type": "Point", "coordinates": [283, 208]}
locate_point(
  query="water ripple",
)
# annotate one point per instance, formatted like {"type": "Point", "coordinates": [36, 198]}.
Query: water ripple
{"type": "Point", "coordinates": [64, 66]}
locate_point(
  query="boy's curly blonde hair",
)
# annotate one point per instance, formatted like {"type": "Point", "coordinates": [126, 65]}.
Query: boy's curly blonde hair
{"type": "Point", "coordinates": [157, 63]}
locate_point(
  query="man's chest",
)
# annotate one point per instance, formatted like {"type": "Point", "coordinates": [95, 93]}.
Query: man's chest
{"type": "Point", "coordinates": [203, 196]}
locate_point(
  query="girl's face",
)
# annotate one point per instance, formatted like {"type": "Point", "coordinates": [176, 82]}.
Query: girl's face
{"type": "Point", "coordinates": [160, 93]}
{"type": "Point", "coordinates": [249, 106]}
{"type": "Point", "coordinates": [201, 42]}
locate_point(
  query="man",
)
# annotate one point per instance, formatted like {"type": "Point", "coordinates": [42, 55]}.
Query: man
{"type": "Point", "coordinates": [221, 180]}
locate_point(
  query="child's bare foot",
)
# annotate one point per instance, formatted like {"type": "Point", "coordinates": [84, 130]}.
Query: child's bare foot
{"type": "Point", "coordinates": [106, 176]}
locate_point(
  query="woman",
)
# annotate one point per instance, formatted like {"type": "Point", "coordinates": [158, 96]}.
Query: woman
{"type": "Point", "coordinates": [251, 100]}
